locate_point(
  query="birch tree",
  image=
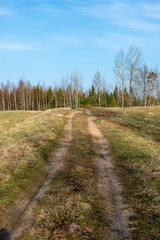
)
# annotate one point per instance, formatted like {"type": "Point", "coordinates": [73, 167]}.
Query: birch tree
{"type": "Point", "coordinates": [76, 80]}
{"type": "Point", "coordinates": [3, 97]}
{"type": "Point", "coordinates": [157, 90]}
{"type": "Point", "coordinates": [141, 83]}
{"type": "Point", "coordinates": [134, 61]}
{"type": "Point", "coordinates": [98, 81]}
{"type": "Point", "coordinates": [151, 79]}
{"type": "Point", "coordinates": [120, 70]}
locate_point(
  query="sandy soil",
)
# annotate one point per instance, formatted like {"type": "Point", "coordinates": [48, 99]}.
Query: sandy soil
{"type": "Point", "coordinates": [109, 184]}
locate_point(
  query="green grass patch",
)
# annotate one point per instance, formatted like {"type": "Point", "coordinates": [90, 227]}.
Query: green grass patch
{"type": "Point", "coordinates": [136, 152]}
{"type": "Point", "coordinates": [23, 152]}
{"type": "Point", "coordinates": [145, 121]}
{"type": "Point", "coordinates": [10, 119]}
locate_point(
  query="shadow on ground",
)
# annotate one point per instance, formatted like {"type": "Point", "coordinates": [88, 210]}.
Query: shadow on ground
{"type": "Point", "coordinates": [4, 235]}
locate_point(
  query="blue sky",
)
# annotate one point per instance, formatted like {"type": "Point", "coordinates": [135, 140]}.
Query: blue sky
{"type": "Point", "coordinates": [42, 40]}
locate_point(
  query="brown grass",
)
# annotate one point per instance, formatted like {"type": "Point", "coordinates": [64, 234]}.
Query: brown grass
{"type": "Point", "coordinates": [134, 136]}
{"type": "Point", "coordinates": [24, 146]}
{"type": "Point", "coordinates": [73, 198]}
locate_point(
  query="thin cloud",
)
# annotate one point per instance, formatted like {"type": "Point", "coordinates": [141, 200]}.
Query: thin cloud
{"type": "Point", "coordinates": [105, 11]}
{"type": "Point", "coordinates": [116, 41]}
{"type": "Point", "coordinates": [47, 9]}
{"type": "Point", "coordinates": [152, 10]}
{"type": "Point", "coordinates": [5, 11]}
{"type": "Point", "coordinates": [138, 25]}
{"type": "Point", "coordinates": [68, 40]}
{"type": "Point", "coordinates": [154, 7]}
{"type": "Point", "coordinates": [137, 16]}
{"type": "Point", "coordinates": [16, 46]}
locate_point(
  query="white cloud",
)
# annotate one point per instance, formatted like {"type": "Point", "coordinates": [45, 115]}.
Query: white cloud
{"type": "Point", "coordinates": [16, 46]}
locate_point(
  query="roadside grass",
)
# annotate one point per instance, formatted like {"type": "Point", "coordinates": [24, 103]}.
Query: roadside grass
{"type": "Point", "coordinates": [10, 119]}
{"type": "Point", "coordinates": [73, 209]}
{"type": "Point", "coordinates": [145, 121]}
{"type": "Point", "coordinates": [134, 136]}
{"type": "Point", "coordinates": [23, 152]}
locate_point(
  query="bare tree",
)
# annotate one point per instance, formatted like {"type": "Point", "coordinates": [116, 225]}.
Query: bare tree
{"type": "Point", "coordinates": [80, 92]}
{"type": "Point", "coordinates": [134, 61]}
{"type": "Point", "coordinates": [55, 95]}
{"type": "Point", "coordinates": [14, 97]}
{"type": "Point", "coordinates": [141, 83]}
{"type": "Point", "coordinates": [151, 79]}
{"type": "Point", "coordinates": [98, 81]}
{"type": "Point", "coordinates": [76, 80]}
{"type": "Point", "coordinates": [33, 99]}
{"type": "Point", "coordinates": [43, 96]}
{"type": "Point", "coordinates": [8, 90]}
{"type": "Point", "coordinates": [3, 97]}
{"type": "Point", "coordinates": [157, 89]}
{"type": "Point", "coordinates": [64, 83]}
{"type": "Point", "coordinates": [21, 88]}
{"type": "Point", "coordinates": [69, 95]}
{"type": "Point", "coordinates": [120, 70]}
{"type": "Point", "coordinates": [157, 86]}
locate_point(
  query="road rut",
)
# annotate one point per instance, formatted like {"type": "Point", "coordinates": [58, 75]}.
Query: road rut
{"type": "Point", "coordinates": [25, 217]}
{"type": "Point", "coordinates": [109, 184]}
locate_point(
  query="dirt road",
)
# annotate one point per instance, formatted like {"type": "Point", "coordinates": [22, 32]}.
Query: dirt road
{"type": "Point", "coordinates": [24, 216]}
{"type": "Point", "coordinates": [107, 183]}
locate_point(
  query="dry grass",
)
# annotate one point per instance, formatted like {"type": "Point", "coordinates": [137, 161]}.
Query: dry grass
{"type": "Point", "coordinates": [26, 138]}
{"type": "Point", "coordinates": [134, 136]}
{"type": "Point", "coordinates": [11, 119]}
{"type": "Point", "coordinates": [73, 198]}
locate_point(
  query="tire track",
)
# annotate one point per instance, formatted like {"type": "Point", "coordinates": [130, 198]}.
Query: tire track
{"type": "Point", "coordinates": [56, 157]}
{"type": "Point", "coordinates": [110, 185]}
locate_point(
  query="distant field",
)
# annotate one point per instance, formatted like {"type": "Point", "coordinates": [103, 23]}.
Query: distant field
{"type": "Point", "coordinates": [134, 137]}
{"type": "Point", "coordinates": [26, 138]}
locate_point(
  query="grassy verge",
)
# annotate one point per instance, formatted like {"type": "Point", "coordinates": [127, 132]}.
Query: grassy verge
{"type": "Point", "coordinates": [145, 121]}
{"type": "Point", "coordinates": [73, 208]}
{"type": "Point", "coordinates": [10, 119]}
{"type": "Point", "coordinates": [23, 152]}
{"type": "Point", "coordinates": [134, 141]}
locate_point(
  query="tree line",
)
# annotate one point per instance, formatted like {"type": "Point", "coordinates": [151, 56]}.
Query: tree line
{"type": "Point", "coordinates": [70, 93]}
{"type": "Point", "coordinates": [142, 82]}
{"type": "Point", "coordinates": [137, 85]}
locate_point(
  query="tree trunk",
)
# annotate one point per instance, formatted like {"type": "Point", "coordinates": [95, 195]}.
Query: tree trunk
{"type": "Point", "coordinates": [130, 92]}
{"type": "Point", "coordinates": [15, 100]}
{"type": "Point", "coordinates": [122, 93]}
{"type": "Point", "coordinates": [3, 100]}
{"type": "Point", "coordinates": [99, 99]}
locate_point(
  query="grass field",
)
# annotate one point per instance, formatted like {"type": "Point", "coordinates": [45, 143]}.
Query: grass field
{"type": "Point", "coordinates": [134, 137]}
{"type": "Point", "coordinates": [134, 143]}
{"type": "Point", "coordinates": [26, 139]}
{"type": "Point", "coordinates": [73, 197]}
